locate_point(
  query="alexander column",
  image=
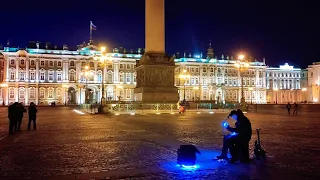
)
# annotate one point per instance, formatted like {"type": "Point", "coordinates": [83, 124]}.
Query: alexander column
{"type": "Point", "coordinates": [155, 69]}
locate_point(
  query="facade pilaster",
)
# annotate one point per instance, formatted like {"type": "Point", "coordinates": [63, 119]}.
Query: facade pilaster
{"type": "Point", "coordinates": [17, 70]}
{"type": "Point", "coordinates": [27, 70]}
{"type": "Point", "coordinates": [37, 71]}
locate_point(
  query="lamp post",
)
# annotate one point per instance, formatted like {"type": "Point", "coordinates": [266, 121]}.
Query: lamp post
{"type": "Point", "coordinates": [184, 76]}
{"type": "Point", "coordinates": [104, 62]}
{"type": "Point", "coordinates": [242, 65]}
{"type": "Point", "coordinates": [251, 90]}
{"type": "Point", "coordinates": [304, 93]}
{"type": "Point", "coordinates": [86, 73]}
{"type": "Point", "coordinates": [276, 90]}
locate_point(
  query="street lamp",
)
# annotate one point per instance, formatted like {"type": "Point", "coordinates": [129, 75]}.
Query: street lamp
{"type": "Point", "coordinates": [276, 90]}
{"type": "Point", "coordinates": [251, 90]}
{"type": "Point", "coordinates": [304, 93]}
{"type": "Point", "coordinates": [184, 76]}
{"type": "Point", "coordinates": [242, 65]}
{"type": "Point", "coordinates": [104, 61]}
{"type": "Point", "coordinates": [86, 74]}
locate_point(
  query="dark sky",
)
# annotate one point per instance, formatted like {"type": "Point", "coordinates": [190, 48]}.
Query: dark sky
{"type": "Point", "coordinates": [282, 31]}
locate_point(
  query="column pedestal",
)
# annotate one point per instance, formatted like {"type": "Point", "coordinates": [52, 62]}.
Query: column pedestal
{"type": "Point", "coordinates": [155, 79]}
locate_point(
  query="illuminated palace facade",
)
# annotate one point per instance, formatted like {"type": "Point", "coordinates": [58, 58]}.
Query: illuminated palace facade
{"type": "Point", "coordinates": [43, 75]}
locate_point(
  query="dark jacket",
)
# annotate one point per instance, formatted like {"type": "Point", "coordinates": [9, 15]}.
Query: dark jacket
{"type": "Point", "coordinates": [32, 111]}
{"type": "Point", "coordinates": [243, 128]}
{"type": "Point", "coordinates": [12, 112]}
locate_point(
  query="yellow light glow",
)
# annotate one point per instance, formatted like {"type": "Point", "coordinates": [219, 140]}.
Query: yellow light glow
{"type": "Point", "coordinates": [241, 56]}
{"type": "Point", "coordinates": [65, 86]}
{"type": "Point", "coordinates": [86, 67]}
{"type": "Point", "coordinates": [120, 87]}
{"type": "Point", "coordinates": [246, 64]}
{"type": "Point", "coordinates": [250, 89]}
{"type": "Point", "coordinates": [103, 49]}
{"type": "Point", "coordinates": [195, 88]}
{"type": "Point", "coordinates": [237, 65]}
{"type": "Point", "coordinates": [184, 71]}
{"type": "Point", "coordinates": [275, 89]}
{"type": "Point", "coordinates": [95, 58]}
{"type": "Point", "coordinates": [4, 85]}
{"type": "Point", "coordinates": [304, 89]}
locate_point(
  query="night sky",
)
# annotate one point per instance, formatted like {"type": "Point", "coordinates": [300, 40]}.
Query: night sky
{"type": "Point", "coordinates": [281, 31]}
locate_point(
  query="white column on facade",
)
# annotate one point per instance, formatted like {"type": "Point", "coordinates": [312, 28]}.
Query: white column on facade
{"type": "Point", "coordinates": [78, 72]}
{"type": "Point", "coordinates": [105, 74]}
{"type": "Point", "coordinates": [27, 70]}
{"type": "Point", "coordinates": [16, 93]}
{"type": "Point", "coordinates": [95, 79]}
{"type": "Point", "coordinates": [257, 78]}
{"type": "Point", "coordinates": [64, 72]}
{"type": "Point", "coordinates": [6, 63]}
{"type": "Point", "coordinates": [37, 71]}
{"type": "Point", "coordinates": [67, 71]}
{"type": "Point", "coordinates": [37, 94]}
{"type": "Point", "coordinates": [116, 72]}
{"type": "Point", "coordinates": [26, 95]}
{"type": "Point", "coordinates": [17, 70]}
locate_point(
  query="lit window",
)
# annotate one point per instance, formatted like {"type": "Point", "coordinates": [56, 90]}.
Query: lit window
{"type": "Point", "coordinates": [110, 79]}
{"type": "Point", "coordinates": [59, 76]}
{"type": "Point", "coordinates": [58, 93]}
{"type": "Point", "coordinates": [83, 64]}
{"type": "Point", "coordinates": [91, 64]}
{"type": "Point", "coordinates": [22, 75]}
{"type": "Point", "coordinates": [50, 76]}
{"type": "Point", "coordinates": [12, 75]}
{"type": "Point", "coordinates": [121, 78]}
{"type": "Point", "coordinates": [11, 93]}
{"type": "Point", "coordinates": [42, 76]}
{"type": "Point", "coordinates": [21, 94]}
{"type": "Point", "coordinates": [72, 76]}
{"type": "Point", "coordinates": [32, 76]}
{"type": "Point", "coordinates": [99, 77]}
{"type": "Point", "coordinates": [41, 94]}
{"type": "Point", "coordinates": [50, 93]}
{"type": "Point", "coordinates": [32, 93]}
{"type": "Point", "coordinates": [128, 95]}
{"type": "Point", "coordinates": [128, 77]}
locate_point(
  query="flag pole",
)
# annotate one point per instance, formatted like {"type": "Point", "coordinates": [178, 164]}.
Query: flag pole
{"type": "Point", "coordinates": [90, 31]}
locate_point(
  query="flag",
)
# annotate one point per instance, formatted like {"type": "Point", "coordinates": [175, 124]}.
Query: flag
{"type": "Point", "coordinates": [92, 26]}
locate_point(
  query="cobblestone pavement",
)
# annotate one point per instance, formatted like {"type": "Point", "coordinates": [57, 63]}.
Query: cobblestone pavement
{"type": "Point", "coordinates": [68, 145]}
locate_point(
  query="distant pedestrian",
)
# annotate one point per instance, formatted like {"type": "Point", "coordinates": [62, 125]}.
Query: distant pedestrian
{"type": "Point", "coordinates": [288, 107]}
{"type": "Point", "coordinates": [295, 108]}
{"type": "Point", "coordinates": [20, 110]}
{"type": "Point", "coordinates": [32, 111]}
{"type": "Point", "coordinates": [12, 115]}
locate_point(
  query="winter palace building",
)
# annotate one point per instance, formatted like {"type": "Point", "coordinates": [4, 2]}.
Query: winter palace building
{"type": "Point", "coordinates": [45, 74]}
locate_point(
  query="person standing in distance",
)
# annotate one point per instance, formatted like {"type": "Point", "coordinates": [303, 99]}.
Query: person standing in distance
{"type": "Point", "coordinates": [32, 111]}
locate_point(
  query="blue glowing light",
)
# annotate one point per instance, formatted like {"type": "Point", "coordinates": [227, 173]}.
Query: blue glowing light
{"type": "Point", "coordinates": [234, 134]}
{"type": "Point", "coordinates": [225, 124]}
{"type": "Point", "coordinates": [187, 167]}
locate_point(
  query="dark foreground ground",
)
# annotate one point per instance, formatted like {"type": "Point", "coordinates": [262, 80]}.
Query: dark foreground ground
{"type": "Point", "coordinates": [68, 145]}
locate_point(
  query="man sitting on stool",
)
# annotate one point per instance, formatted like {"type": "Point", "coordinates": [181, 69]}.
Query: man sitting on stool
{"type": "Point", "coordinates": [238, 141]}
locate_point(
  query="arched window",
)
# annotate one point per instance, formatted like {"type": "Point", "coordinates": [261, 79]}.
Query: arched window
{"type": "Point", "coordinates": [58, 93]}
{"type": "Point", "coordinates": [59, 63]}
{"type": "Point", "coordinates": [12, 75]}
{"type": "Point", "coordinates": [50, 92]}
{"type": "Point", "coordinates": [22, 62]}
{"type": "Point", "coordinates": [21, 93]}
{"type": "Point", "coordinates": [83, 64]}
{"type": "Point", "coordinates": [99, 76]}
{"type": "Point", "coordinates": [11, 93]}
{"type": "Point", "coordinates": [72, 76]}
{"type": "Point", "coordinates": [12, 62]}
{"type": "Point", "coordinates": [32, 62]}
{"type": "Point", "coordinates": [110, 77]}
{"type": "Point", "coordinates": [121, 77]}
{"type": "Point", "coordinates": [32, 93]}
{"type": "Point", "coordinates": [72, 63]}
{"type": "Point", "coordinates": [204, 69]}
{"type": "Point", "coordinates": [41, 93]}
{"type": "Point", "coordinates": [22, 75]}
{"type": "Point", "coordinates": [91, 64]}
